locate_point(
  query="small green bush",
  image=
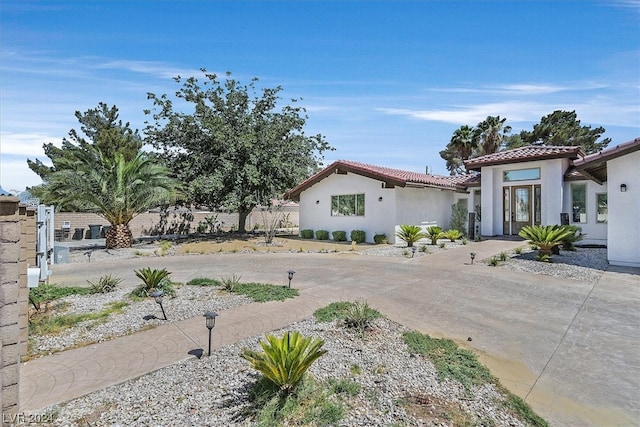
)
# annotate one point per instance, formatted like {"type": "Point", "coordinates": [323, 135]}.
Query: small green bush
{"type": "Point", "coordinates": [107, 283]}
{"type": "Point", "coordinates": [380, 239]}
{"type": "Point", "coordinates": [358, 236]}
{"type": "Point", "coordinates": [339, 236]}
{"type": "Point", "coordinates": [494, 261]}
{"type": "Point", "coordinates": [203, 281]}
{"type": "Point", "coordinates": [307, 233]}
{"type": "Point", "coordinates": [285, 360]}
{"type": "Point", "coordinates": [322, 235]}
{"type": "Point", "coordinates": [434, 233]}
{"type": "Point", "coordinates": [229, 283]}
{"type": "Point", "coordinates": [453, 235]}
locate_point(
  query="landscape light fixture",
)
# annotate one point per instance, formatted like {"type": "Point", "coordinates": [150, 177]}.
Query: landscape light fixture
{"type": "Point", "coordinates": [210, 317]}
{"type": "Point", "coordinates": [157, 296]}
{"type": "Point", "coordinates": [413, 251]}
{"type": "Point", "coordinates": [291, 273]}
{"type": "Point", "coordinates": [473, 255]}
{"type": "Point", "coordinates": [623, 188]}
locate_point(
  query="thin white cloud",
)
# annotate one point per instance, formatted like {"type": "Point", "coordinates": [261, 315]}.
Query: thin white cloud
{"type": "Point", "coordinates": [26, 144]}
{"type": "Point", "coordinates": [523, 89]}
{"type": "Point", "coordinates": [154, 68]}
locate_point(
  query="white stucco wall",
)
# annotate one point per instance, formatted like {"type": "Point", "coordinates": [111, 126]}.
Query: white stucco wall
{"type": "Point", "coordinates": [624, 210]}
{"type": "Point", "coordinates": [398, 206]}
{"type": "Point", "coordinates": [551, 183]}
{"type": "Point", "coordinates": [378, 217]}
{"type": "Point", "coordinates": [595, 233]}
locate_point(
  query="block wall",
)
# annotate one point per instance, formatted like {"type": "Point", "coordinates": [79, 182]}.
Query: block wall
{"type": "Point", "coordinates": [17, 250]}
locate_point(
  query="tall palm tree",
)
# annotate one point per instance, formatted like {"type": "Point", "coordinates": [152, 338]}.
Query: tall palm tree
{"type": "Point", "coordinates": [113, 187]}
{"type": "Point", "coordinates": [490, 133]}
{"type": "Point", "coordinates": [463, 141]}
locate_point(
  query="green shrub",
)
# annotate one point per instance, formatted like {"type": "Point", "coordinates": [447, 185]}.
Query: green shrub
{"type": "Point", "coordinates": [285, 360]}
{"type": "Point", "coordinates": [410, 234]}
{"type": "Point", "coordinates": [153, 280]}
{"type": "Point", "coordinates": [107, 283]}
{"type": "Point", "coordinates": [380, 239]}
{"type": "Point", "coordinates": [450, 361]}
{"type": "Point", "coordinates": [339, 236]}
{"type": "Point", "coordinates": [452, 235]}
{"type": "Point", "coordinates": [307, 233]}
{"type": "Point", "coordinates": [262, 292]}
{"type": "Point", "coordinates": [333, 311]}
{"type": "Point", "coordinates": [47, 293]}
{"type": "Point", "coordinates": [503, 256]}
{"type": "Point", "coordinates": [229, 283]}
{"type": "Point", "coordinates": [434, 233]}
{"type": "Point", "coordinates": [322, 235]}
{"type": "Point", "coordinates": [203, 281]}
{"type": "Point", "coordinates": [546, 237]}
{"type": "Point", "coordinates": [358, 236]}
{"type": "Point", "coordinates": [493, 262]}
{"type": "Point", "coordinates": [441, 245]}
{"type": "Point", "coordinates": [359, 315]}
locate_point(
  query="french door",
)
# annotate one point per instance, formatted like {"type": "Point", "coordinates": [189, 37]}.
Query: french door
{"type": "Point", "coordinates": [521, 207]}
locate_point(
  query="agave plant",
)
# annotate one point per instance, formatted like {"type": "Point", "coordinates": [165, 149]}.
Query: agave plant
{"type": "Point", "coordinates": [434, 233]}
{"type": "Point", "coordinates": [410, 234]}
{"type": "Point", "coordinates": [545, 237]}
{"type": "Point", "coordinates": [285, 360]}
{"type": "Point", "coordinates": [452, 235]}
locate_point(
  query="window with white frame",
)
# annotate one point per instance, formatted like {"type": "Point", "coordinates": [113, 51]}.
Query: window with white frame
{"type": "Point", "coordinates": [579, 202]}
{"type": "Point", "coordinates": [602, 208]}
{"type": "Point", "coordinates": [347, 205]}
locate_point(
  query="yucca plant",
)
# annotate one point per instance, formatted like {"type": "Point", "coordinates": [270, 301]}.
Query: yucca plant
{"type": "Point", "coordinates": [434, 233]}
{"type": "Point", "coordinates": [410, 234]}
{"type": "Point", "coordinates": [360, 315]}
{"type": "Point", "coordinates": [545, 237]}
{"type": "Point", "coordinates": [452, 235]}
{"type": "Point", "coordinates": [107, 283]}
{"type": "Point", "coordinates": [285, 360]}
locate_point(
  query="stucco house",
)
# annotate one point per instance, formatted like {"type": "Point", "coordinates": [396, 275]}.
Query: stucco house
{"type": "Point", "coordinates": [504, 191]}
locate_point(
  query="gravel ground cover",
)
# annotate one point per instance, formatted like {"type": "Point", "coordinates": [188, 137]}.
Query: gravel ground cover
{"type": "Point", "coordinates": [396, 387]}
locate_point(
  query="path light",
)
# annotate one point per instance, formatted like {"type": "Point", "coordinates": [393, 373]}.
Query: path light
{"type": "Point", "coordinates": [157, 296]}
{"type": "Point", "coordinates": [210, 317]}
{"type": "Point", "coordinates": [291, 273]}
{"type": "Point", "coordinates": [413, 251]}
{"type": "Point", "coordinates": [473, 255]}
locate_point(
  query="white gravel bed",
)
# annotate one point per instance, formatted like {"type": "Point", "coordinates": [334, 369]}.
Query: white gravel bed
{"type": "Point", "coordinates": [190, 301]}
{"type": "Point", "coordinates": [584, 264]}
{"type": "Point", "coordinates": [213, 391]}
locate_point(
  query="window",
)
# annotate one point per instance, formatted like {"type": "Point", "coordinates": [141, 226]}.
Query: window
{"type": "Point", "coordinates": [347, 205]}
{"type": "Point", "coordinates": [537, 204]}
{"type": "Point", "coordinates": [602, 208]}
{"type": "Point", "coordinates": [579, 202]}
{"type": "Point", "coordinates": [521, 174]}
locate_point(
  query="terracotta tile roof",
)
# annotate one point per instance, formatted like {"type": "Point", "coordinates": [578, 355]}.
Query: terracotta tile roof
{"type": "Point", "coordinates": [524, 154]}
{"type": "Point", "coordinates": [594, 166]}
{"type": "Point", "coordinates": [390, 176]}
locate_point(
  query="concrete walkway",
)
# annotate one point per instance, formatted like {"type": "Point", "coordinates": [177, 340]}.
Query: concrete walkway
{"type": "Point", "coordinates": [568, 347]}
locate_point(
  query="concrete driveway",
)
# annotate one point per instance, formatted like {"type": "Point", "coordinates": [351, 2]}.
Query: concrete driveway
{"type": "Point", "coordinates": [569, 348]}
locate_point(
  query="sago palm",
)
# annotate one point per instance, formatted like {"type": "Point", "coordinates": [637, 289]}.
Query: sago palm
{"type": "Point", "coordinates": [545, 237]}
{"type": "Point", "coordinates": [285, 360]}
{"type": "Point", "coordinates": [434, 233]}
{"type": "Point", "coordinates": [410, 234]}
{"type": "Point", "coordinates": [113, 187]}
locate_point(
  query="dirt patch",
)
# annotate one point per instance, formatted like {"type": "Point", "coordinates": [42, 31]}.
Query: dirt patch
{"type": "Point", "coordinates": [279, 244]}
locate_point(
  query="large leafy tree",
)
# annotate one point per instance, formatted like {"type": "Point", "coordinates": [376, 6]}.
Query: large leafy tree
{"type": "Point", "coordinates": [113, 186]}
{"type": "Point", "coordinates": [564, 128]}
{"type": "Point", "coordinates": [236, 149]}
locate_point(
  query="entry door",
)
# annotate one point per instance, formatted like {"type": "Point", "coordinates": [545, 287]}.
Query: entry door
{"type": "Point", "coordinates": [520, 208]}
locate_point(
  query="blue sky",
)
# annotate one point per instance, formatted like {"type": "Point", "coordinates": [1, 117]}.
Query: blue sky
{"type": "Point", "coordinates": [387, 82]}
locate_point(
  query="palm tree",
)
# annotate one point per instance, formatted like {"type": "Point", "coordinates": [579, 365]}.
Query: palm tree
{"type": "Point", "coordinates": [490, 133]}
{"type": "Point", "coordinates": [113, 187]}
